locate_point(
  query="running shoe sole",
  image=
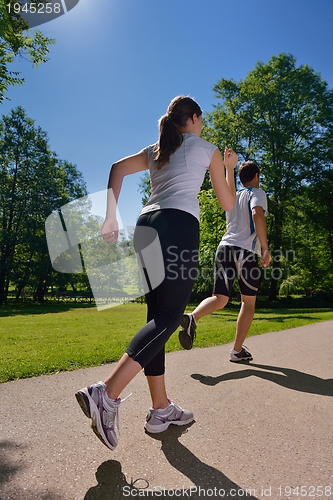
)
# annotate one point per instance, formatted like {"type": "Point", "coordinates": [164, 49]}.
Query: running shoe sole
{"type": "Point", "coordinates": [155, 429]}
{"type": "Point", "coordinates": [244, 360]}
{"type": "Point", "coordinates": [247, 357]}
{"type": "Point", "coordinates": [185, 339]}
{"type": "Point", "coordinates": [83, 402]}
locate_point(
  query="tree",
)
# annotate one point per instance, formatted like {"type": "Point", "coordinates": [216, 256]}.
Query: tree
{"type": "Point", "coordinates": [280, 116]}
{"type": "Point", "coordinates": [212, 226]}
{"type": "Point", "coordinates": [33, 183]}
{"type": "Point", "coordinates": [17, 41]}
{"type": "Point", "coordinates": [310, 228]}
{"type": "Point", "coordinates": [144, 187]}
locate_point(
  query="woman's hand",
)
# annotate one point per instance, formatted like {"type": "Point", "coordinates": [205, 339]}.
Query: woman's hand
{"type": "Point", "coordinates": [230, 158]}
{"type": "Point", "coordinates": [110, 230]}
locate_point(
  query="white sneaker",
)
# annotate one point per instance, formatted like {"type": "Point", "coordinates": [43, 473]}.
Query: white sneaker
{"type": "Point", "coordinates": [159, 420]}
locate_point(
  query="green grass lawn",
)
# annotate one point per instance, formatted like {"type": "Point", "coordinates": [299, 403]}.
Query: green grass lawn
{"type": "Point", "coordinates": [43, 339]}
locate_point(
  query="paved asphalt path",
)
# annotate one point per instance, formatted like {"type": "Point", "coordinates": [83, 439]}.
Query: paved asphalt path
{"type": "Point", "coordinates": [261, 430]}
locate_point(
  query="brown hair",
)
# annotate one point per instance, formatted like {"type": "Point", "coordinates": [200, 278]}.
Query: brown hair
{"type": "Point", "coordinates": [247, 171]}
{"type": "Point", "coordinates": [180, 109]}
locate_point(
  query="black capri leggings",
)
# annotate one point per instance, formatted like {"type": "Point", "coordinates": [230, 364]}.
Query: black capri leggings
{"type": "Point", "coordinates": [178, 233]}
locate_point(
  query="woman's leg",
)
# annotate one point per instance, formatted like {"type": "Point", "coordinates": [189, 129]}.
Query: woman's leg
{"type": "Point", "coordinates": [165, 306]}
{"type": "Point", "coordinates": [100, 402]}
{"type": "Point", "coordinates": [156, 384]}
{"type": "Point", "coordinates": [179, 239]}
{"type": "Point", "coordinates": [159, 398]}
{"type": "Point", "coordinates": [177, 232]}
{"type": "Point", "coordinates": [125, 370]}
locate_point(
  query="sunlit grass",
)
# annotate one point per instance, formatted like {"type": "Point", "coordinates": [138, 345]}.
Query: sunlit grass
{"type": "Point", "coordinates": [219, 327]}
{"type": "Point", "coordinates": [45, 339]}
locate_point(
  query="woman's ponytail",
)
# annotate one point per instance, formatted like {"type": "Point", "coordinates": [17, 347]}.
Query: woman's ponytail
{"type": "Point", "coordinates": [179, 111]}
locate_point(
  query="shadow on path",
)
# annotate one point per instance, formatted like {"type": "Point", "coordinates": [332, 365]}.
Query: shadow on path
{"type": "Point", "coordinates": [8, 471]}
{"type": "Point", "coordinates": [7, 468]}
{"type": "Point", "coordinates": [112, 483]}
{"type": "Point", "coordinates": [207, 480]}
{"type": "Point", "coordinates": [289, 378]}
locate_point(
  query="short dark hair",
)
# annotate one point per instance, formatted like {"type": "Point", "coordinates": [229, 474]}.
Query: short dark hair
{"type": "Point", "coordinates": [247, 171]}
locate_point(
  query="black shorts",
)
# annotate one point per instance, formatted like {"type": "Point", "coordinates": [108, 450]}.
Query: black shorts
{"type": "Point", "coordinates": [235, 262]}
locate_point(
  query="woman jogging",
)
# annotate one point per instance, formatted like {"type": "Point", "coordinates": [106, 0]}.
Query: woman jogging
{"type": "Point", "coordinates": [177, 164]}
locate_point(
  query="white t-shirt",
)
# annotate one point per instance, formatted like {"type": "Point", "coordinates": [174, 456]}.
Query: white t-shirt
{"type": "Point", "coordinates": [177, 183]}
{"type": "Point", "coordinates": [240, 227]}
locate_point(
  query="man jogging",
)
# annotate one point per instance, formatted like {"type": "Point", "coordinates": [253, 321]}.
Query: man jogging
{"type": "Point", "coordinates": [237, 257]}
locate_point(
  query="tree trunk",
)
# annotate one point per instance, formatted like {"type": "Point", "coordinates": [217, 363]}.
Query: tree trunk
{"type": "Point", "coordinates": [3, 296]}
{"type": "Point", "coordinates": [40, 292]}
{"type": "Point", "coordinates": [19, 291]}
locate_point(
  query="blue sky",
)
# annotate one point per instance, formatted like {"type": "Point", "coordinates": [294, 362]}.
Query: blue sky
{"type": "Point", "coordinates": [118, 63]}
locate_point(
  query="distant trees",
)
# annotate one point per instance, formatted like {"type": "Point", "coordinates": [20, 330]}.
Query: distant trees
{"type": "Point", "coordinates": [33, 183]}
{"type": "Point", "coordinates": [16, 40]}
{"type": "Point", "coordinates": [281, 116]}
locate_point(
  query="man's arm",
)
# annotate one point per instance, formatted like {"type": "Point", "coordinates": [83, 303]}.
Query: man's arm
{"type": "Point", "coordinates": [225, 195]}
{"type": "Point", "coordinates": [260, 227]}
{"type": "Point", "coordinates": [229, 163]}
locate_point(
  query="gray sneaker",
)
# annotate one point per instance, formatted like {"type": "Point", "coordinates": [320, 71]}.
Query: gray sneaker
{"type": "Point", "coordinates": [187, 333]}
{"type": "Point", "coordinates": [159, 420]}
{"type": "Point", "coordinates": [104, 414]}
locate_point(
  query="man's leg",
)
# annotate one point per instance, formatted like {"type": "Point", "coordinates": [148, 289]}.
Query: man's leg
{"type": "Point", "coordinates": [189, 321]}
{"type": "Point", "coordinates": [244, 320]}
{"type": "Point", "coordinates": [210, 305]}
{"type": "Point", "coordinates": [224, 274]}
{"type": "Point", "coordinates": [249, 280]}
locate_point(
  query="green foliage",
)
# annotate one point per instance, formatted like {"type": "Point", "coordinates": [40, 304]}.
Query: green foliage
{"type": "Point", "coordinates": [17, 41]}
{"type": "Point", "coordinates": [280, 116]}
{"type": "Point", "coordinates": [33, 183]}
{"type": "Point", "coordinates": [309, 228]}
{"type": "Point", "coordinates": [212, 226]}
{"type": "Point", "coordinates": [145, 188]}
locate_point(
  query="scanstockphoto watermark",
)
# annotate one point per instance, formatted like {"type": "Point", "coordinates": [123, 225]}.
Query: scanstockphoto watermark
{"type": "Point", "coordinates": [194, 256]}
{"type": "Point", "coordinates": [40, 11]}
{"type": "Point", "coordinates": [118, 272]}
{"type": "Point", "coordinates": [129, 268]}
{"type": "Point", "coordinates": [197, 491]}
{"type": "Point", "coordinates": [178, 265]}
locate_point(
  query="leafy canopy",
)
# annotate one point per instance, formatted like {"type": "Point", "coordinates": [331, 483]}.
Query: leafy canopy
{"type": "Point", "coordinates": [17, 41]}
